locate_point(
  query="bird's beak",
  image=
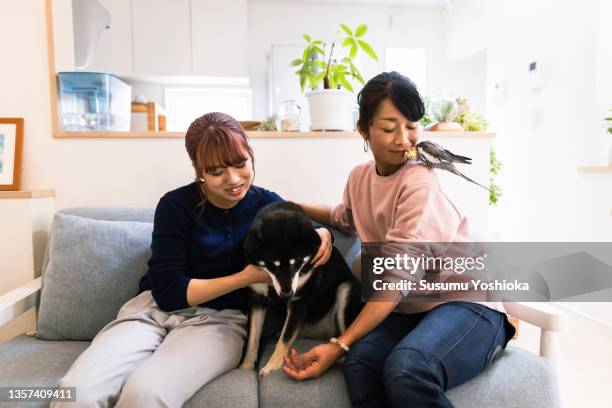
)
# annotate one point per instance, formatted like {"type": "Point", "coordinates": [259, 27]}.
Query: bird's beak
{"type": "Point", "coordinates": [411, 154]}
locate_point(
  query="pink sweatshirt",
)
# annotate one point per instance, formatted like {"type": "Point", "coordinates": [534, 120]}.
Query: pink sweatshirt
{"type": "Point", "coordinates": [405, 207]}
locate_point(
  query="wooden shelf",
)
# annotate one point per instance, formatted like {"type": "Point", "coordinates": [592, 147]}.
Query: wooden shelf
{"type": "Point", "coordinates": [35, 193]}
{"type": "Point", "coordinates": [180, 135]}
{"type": "Point", "coordinates": [595, 169]}
{"type": "Point", "coordinates": [297, 135]}
{"type": "Point", "coordinates": [119, 135]}
{"type": "Point", "coordinates": [256, 134]}
{"type": "Point", "coordinates": [459, 135]}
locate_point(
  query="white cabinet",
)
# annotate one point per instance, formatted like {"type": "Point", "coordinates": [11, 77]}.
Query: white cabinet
{"type": "Point", "coordinates": [161, 32]}
{"type": "Point", "coordinates": [173, 38]}
{"type": "Point", "coordinates": [219, 37]}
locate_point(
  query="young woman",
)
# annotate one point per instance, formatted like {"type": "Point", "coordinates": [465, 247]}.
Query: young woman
{"type": "Point", "coordinates": [402, 354]}
{"type": "Point", "coordinates": [187, 325]}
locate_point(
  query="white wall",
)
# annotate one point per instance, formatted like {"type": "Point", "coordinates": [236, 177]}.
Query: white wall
{"type": "Point", "coordinates": [543, 135]}
{"type": "Point", "coordinates": [603, 89]}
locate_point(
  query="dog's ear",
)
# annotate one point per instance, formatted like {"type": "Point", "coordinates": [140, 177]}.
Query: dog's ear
{"type": "Point", "coordinates": [252, 244]}
{"type": "Point", "coordinates": [310, 237]}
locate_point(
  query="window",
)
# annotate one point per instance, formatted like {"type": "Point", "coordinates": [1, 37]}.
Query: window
{"type": "Point", "coordinates": [410, 62]}
{"type": "Point", "coordinates": [185, 104]}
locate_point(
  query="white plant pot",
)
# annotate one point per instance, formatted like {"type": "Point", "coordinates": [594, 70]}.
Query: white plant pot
{"type": "Point", "coordinates": [609, 154]}
{"type": "Point", "coordinates": [331, 109]}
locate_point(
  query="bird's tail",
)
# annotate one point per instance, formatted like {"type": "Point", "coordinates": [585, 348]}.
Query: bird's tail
{"type": "Point", "coordinates": [460, 159]}
{"type": "Point", "coordinates": [453, 170]}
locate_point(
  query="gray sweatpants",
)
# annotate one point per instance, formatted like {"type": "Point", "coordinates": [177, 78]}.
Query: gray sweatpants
{"type": "Point", "coordinates": [150, 358]}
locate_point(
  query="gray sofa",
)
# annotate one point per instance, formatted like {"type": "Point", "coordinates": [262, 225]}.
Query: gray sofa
{"type": "Point", "coordinates": [94, 260]}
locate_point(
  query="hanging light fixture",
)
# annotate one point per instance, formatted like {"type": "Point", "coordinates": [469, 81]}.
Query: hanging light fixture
{"type": "Point", "coordinates": [90, 20]}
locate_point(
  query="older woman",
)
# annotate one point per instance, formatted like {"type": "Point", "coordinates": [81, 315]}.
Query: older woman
{"type": "Point", "coordinates": [408, 354]}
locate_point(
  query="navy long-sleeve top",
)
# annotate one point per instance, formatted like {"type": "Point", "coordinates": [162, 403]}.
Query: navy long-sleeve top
{"type": "Point", "coordinates": [189, 243]}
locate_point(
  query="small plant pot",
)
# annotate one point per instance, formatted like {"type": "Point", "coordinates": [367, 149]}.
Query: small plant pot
{"type": "Point", "coordinates": [331, 109]}
{"type": "Point", "coordinates": [444, 127]}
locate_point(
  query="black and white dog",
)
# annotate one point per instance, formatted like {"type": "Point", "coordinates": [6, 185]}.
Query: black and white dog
{"type": "Point", "coordinates": [318, 302]}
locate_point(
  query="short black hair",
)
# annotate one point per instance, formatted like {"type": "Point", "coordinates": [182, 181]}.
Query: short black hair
{"type": "Point", "coordinates": [399, 89]}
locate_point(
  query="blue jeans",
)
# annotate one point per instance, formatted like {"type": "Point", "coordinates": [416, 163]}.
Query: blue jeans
{"type": "Point", "coordinates": [411, 360]}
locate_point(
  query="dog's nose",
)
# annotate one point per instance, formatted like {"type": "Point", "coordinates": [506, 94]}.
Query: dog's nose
{"type": "Point", "coordinates": [286, 295]}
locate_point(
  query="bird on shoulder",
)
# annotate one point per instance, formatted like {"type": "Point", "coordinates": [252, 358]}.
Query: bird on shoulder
{"type": "Point", "coordinates": [435, 156]}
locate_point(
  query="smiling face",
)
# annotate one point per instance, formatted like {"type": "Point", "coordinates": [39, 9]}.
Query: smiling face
{"type": "Point", "coordinates": [226, 185]}
{"type": "Point", "coordinates": [222, 158]}
{"type": "Point", "coordinates": [389, 136]}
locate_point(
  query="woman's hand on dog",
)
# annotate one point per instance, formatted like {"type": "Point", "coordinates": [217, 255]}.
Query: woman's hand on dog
{"type": "Point", "coordinates": [256, 274]}
{"type": "Point", "coordinates": [313, 363]}
{"type": "Point", "coordinates": [325, 249]}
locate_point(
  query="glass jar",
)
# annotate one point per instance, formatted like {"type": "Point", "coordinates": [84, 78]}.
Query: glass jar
{"type": "Point", "coordinates": [289, 112]}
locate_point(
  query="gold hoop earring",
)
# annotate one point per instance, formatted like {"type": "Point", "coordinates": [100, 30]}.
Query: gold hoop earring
{"type": "Point", "coordinates": [366, 145]}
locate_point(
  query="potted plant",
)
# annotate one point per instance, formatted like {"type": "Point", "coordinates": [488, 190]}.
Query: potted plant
{"type": "Point", "coordinates": [442, 112]}
{"type": "Point", "coordinates": [608, 126]}
{"type": "Point", "coordinates": [331, 108]}
{"type": "Point", "coordinates": [470, 121]}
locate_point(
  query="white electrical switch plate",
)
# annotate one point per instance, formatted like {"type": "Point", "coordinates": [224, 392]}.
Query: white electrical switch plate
{"type": "Point", "coordinates": [534, 75]}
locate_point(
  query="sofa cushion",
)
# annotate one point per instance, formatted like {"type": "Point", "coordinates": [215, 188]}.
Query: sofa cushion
{"type": "Point", "coordinates": [142, 214]}
{"type": "Point", "coordinates": [517, 379]}
{"type": "Point", "coordinates": [278, 390]}
{"type": "Point", "coordinates": [236, 388]}
{"type": "Point", "coordinates": [92, 269]}
{"type": "Point", "coordinates": [27, 361]}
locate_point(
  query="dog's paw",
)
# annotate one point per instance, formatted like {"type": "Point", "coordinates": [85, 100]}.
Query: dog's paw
{"type": "Point", "coordinates": [271, 366]}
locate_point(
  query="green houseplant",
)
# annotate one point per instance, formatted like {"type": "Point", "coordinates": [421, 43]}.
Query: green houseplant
{"type": "Point", "coordinates": [317, 64]}
{"type": "Point", "coordinates": [608, 122]}
{"type": "Point", "coordinates": [494, 167]}
{"type": "Point", "coordinates": [426, 119]}
{"type": "Point", "coordinates": [470, 121]}
{"type": "Point", "coordinates": [331, 108]}
{"type": "Point", "coordinates": [473, 122]}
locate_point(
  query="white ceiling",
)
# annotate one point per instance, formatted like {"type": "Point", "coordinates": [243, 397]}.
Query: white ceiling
{"type": "Point", "coordinates": [407, 3]}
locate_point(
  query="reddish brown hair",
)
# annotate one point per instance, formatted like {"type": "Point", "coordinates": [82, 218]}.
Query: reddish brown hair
{"type": "Point", "coordinates": [216, 140]}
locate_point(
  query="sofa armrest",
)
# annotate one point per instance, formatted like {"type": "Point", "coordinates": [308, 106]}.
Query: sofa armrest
{"type": "Point", "coordinates": [551, 321]}
{"type": "Point", "coordinates": [542, 315]}
{"type": "Point", "coordinates": [19, 300]}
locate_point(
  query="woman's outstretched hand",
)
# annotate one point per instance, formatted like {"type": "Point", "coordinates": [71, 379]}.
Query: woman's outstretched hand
{"type": "Point", "coordinates": [313, 363]}
{"type": "Point", "coordinates": [325, 249]}
{"type": "Point", "coordinates": [256, 274]}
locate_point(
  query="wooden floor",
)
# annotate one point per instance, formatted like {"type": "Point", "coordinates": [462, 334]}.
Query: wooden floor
{"type": "Point", "coordinates": [586, 364]}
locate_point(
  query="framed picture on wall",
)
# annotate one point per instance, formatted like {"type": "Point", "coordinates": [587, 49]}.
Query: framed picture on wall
{"type": "Point", "coordinates": [11, 147]}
